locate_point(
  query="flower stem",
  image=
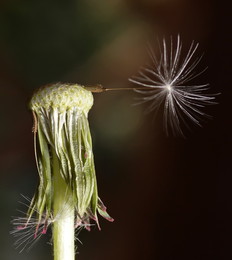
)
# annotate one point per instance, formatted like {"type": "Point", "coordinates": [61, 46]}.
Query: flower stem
{"type": "Point", "coordinates": [63, 227]}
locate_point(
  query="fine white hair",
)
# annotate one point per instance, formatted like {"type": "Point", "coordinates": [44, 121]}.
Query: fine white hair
{"type": "Point", "coordinates": [165, 86]}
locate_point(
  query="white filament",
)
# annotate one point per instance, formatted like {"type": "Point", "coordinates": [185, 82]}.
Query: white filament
{"type": "Point", "coordinates": [166, 86]}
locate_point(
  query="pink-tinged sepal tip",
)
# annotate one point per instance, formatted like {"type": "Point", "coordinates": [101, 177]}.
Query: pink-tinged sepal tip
{"type": "Point", "coordinates": [110, 219]}
{"type": "Point", "coordinates": [44, 231]}
{"type": "Point", "coordinates": [97, 222]}
{"type": "Point", "coordinates": [21, 227]}
{"type": "Point", "coordinates": [36, 231]}
{"type": "Point", "coordinates": [91, 215]}
{"type": "Point", "coordinates": [86, 224]}
{"type": "Point", "coordinates": [87, 227]}
{"type": "Point", "coordinates": [105, 215]}
{"type": "Point", "coordinates": [78, 223]}
{"type": "Point", "coordinates": [101, 205]}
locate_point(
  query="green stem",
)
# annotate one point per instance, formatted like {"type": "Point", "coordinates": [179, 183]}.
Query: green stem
{"type": "Point", "coordinates": [63, 227]}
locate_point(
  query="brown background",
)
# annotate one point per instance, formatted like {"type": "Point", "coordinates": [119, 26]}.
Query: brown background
{"type": "Point", "coordinates": [171, 197]}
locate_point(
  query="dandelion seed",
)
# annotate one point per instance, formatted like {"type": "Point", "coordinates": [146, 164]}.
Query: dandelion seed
{"type": "Point", "coordinates": [166, 87]}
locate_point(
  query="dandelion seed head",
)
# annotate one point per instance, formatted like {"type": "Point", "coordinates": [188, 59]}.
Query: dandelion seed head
{"type": "Point", "coordinates": [62, 97]}
{"type": "Point", "coordinates": [165, 86]}
{"type": "Point", "coordinates": [64, 154]}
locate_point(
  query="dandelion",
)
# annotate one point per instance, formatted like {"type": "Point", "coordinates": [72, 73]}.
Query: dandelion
{"type": "Point", "coordinates": [166, 87]}
{"type": "Point", "coordinates": [67, 195]}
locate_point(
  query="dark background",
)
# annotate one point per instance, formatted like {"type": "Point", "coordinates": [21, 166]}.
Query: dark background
{"type": "Point", "coordinates": [171, 197]}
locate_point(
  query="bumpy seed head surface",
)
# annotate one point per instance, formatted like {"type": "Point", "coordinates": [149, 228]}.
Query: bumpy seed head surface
{"type": "Point", "coordinates": [62, 97]}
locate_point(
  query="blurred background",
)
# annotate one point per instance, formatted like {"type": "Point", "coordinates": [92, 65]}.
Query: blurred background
{"type": "Point", "coordinates": [171, 198]}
